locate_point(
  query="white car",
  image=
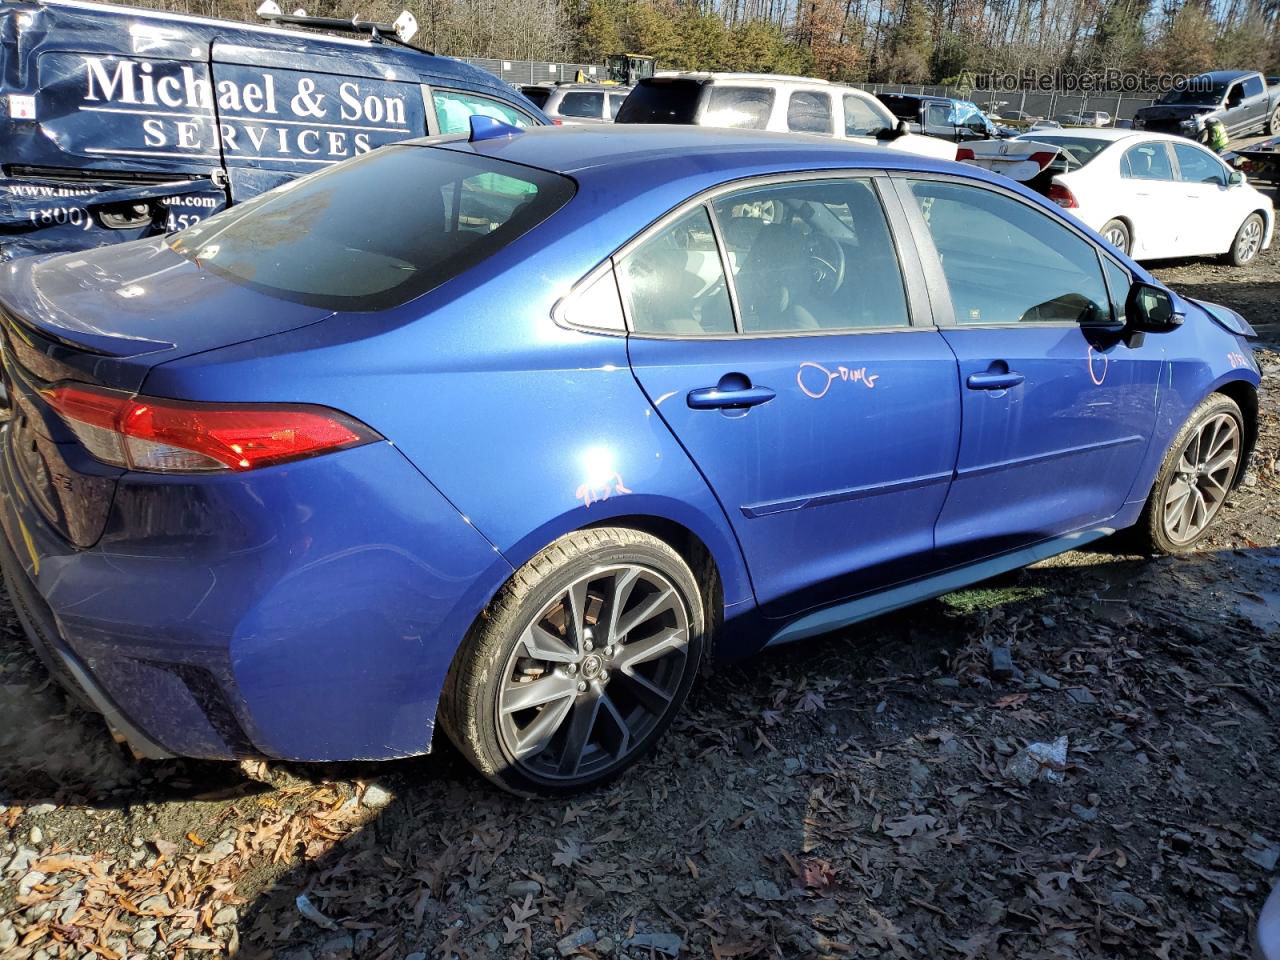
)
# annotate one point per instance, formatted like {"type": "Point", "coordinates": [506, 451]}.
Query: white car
{"type": "Point", "coordinates": [1156, 196]}
{"type": "Point", "coordinates": [766, 101]}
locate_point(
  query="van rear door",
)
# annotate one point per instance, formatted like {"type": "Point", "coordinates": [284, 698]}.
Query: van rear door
{"type": "Point", "coordinates": [278, 122]}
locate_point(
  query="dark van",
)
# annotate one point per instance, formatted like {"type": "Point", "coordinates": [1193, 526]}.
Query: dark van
{"type": "Point", "coordinates": [118, 123]}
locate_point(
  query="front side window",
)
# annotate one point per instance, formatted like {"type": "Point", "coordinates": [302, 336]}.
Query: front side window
{"type": "Point", "coordinates": [861, 119]}
{"type": "Point", "coordinates": [1147, 161]}
{"type": "Point", "coordinates": [375, 231]}
{"type": "Point", "coordinates": [1196, 166]}
{"type": "Point", "coordinates": [582, 103]}
{"type": "Point", "coordinates": [455, 109]}
{"type": "Point", "coordinates": [746, 108]}
{"type": "Point", "coordinates": [809, 112]}
{"type": "Point", "coordinates": [673, 283]}
{"type": "Point", "coordinates": [1118, 283]}
{"type": "Point", "coordinates": [811, 256]}
{"type": "Point", "coordinates": [1006, 262]}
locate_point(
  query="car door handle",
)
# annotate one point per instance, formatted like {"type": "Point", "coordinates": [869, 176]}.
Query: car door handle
{"type": "Point", "coordinates": [729, 396]}
{"type": "Point", "coordinates": [994, 381]}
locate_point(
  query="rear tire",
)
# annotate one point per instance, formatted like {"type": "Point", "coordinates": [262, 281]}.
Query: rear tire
{"type": "Point", "coordinates": [1273, 123]}
{"type": "Point", "coordinates": [1116, 233]}
{"type": "Point", "coordinates": [1248, 241]}
{"type": "Point", "coordinates": [1195, 479]}
{"type": "Point", "coordinates": [579, 665]}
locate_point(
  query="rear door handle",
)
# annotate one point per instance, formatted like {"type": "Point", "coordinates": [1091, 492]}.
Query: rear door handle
{"type": "Point", "coordinates": [727, 396]}
{"type": "Point", "coordinates": [994, 381]}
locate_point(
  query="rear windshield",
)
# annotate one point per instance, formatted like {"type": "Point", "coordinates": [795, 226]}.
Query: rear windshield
{"type": "Point", "coordinates": [904, 108]}
{"type": "Point", "coordinates": [661, 101]}
{"type": "Point", "coordinates": [376, 231]}
{"type": "Point", "coordinates": [539, 95]}
{"type": "Point", "coordinates": [1077, 151]}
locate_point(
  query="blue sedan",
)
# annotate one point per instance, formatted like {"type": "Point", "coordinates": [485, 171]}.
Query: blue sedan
{"type": "Point", "coordinates": [511, 432]}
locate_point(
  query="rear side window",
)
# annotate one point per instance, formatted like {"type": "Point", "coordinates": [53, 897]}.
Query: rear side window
{"type": "Point", "coordinates": [1147, 161]}
{"type": "Point", "coordinates": [1252, 86]}
{"type": "Point", "coordinates": [1196, 166]}
{"type": "Point", "coordinates": [673, 283]}
{"type": "Point", "coordinates": [375, 231]}
{"type": "Point", "coordinates": [747, 108]}
{"type": "Point", "coordinates": [861, 119]}
{"type": "Point", "coordinates": [582, 103]}
{"type": "Point", "coordinates": [1008, 263]}
{"type": "Point", "coordinates": [809, 112]}
{"type": "Point", "coordinates": [454, 111]}
{"type": "Point", "coordinates": [661, 101]}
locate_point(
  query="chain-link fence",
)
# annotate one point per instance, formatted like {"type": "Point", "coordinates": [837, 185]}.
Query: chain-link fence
{"type": "Point", "coordinates": [538, 71]}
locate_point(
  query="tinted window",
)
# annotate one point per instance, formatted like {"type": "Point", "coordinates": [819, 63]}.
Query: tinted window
{"type": "Point", "coordinates": [537, 95]}
{"type": "Point", "coordinates": [1008, 263]}
{"type": "Point", "coordinates": [745, 107]}
{"type": "Point", "coordinates": [1118, 283]}
{"type": "Point", "coordinates": [1147, 161]}
{"type": "Point", "coordinates": [661, 101]}
{"type": "Point", "coordinates": [812, 256]}
{"type": "Point", "coordinates": [902, 107]}
{"type": "Point", "coordinates": [809, 112]}
{"type": "Point", "coordinates": [377, 230]}
{"type": "Point", "coordinates": [861, 119]}
{"type": "Point", "coordinates": [1252, 86]}
{"type": "Point", "coordinates": [615, 104]}
{"type": "Point", "coordinates": [937, 115]}
{"type": "Point", "coordinates": [454, 111]}
{"type": "Point", "coordinates": [582, 103]}
{"type": "Point", "coordinates": [674, 284]}
{"type": "Point", "coordinates": [1197, 166]}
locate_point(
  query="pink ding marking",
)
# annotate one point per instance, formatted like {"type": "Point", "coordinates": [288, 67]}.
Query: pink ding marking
{"type": "Point", "coordinates": [825, 377]}
{"type": "Point", "coordinates": [1238, 360]}
{"type": "Point", "coordinates": [589, 494]}
{"type": "Point", "coordinates": [1094, 376]}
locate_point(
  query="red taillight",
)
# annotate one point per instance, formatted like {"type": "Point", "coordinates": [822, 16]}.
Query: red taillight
{"type": "Point", "coordinates": [173, 436]}
{"type": "Point", "coordinates": [557, 121]}
{"type": "Point", "coordinates": [1061, 195]}
{"type": "Point", "coordinates": [964, 153]}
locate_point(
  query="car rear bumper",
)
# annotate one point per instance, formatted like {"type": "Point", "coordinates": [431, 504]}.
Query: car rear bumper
{"type": "Point", "coordinates": [305, 612]}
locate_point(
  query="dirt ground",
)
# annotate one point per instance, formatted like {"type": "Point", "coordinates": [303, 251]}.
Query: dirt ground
{"type": "Point", "coordinates": [863, 795]}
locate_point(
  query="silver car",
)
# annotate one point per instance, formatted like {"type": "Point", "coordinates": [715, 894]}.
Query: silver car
{"type": "Point", "coordinates": [577, 102]}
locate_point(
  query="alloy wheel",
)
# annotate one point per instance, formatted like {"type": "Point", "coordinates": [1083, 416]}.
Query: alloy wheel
{"type": "Point", "coordinates": [1118, 238]}
{"type": "Point", "coordinates": [1250, 240]}
{"type": "Point", "coordinates": [1202, 479]}
{"type": "Point", "coordinates": [593, 673]}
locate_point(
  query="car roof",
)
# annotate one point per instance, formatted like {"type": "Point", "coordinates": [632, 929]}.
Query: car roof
{"type": "Point", "coordinates": [1225, 76]}
{"type": "Point", "coordinates": [1105, 133]}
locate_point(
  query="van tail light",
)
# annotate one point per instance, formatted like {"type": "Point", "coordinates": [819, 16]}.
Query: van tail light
{"type": "Point", "coordinates": [1062, 196]}
{"type": "Point", "coordinates": [964, 153]}
{"type": "Point", "coordinates": [174, 436]}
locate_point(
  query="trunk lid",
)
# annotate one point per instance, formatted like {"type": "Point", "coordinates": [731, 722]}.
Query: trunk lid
{"type": "Point", "coordinates": [106, 317]}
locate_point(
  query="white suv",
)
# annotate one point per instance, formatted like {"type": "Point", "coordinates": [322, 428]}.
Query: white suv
{"type": "Point", "coordinates": [764, 101]}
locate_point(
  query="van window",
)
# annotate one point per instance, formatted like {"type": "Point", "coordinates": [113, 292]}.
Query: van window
{"type": "Point", "coordinates": [454, 111]}
{"type": "Point", "coordinates": [744, 107]}
{"type": "Point", "coordinates": [662, 100]}
{"type": "Point", "coordinates": [809, 112]}
{"type": "Point", "coordinates": [582, 103]}
{"type": "Point", "coordinates": [377, 230]}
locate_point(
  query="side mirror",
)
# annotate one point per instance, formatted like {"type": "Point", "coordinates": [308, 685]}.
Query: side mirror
{"type": "Point", "coordinates": [899, 129]}
{"type": "Point", "coordinates": [1236, 178]}
{"type": "Point", "coordinates": [1149, 309]}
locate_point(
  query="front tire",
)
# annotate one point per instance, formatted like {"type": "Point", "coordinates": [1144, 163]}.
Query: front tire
{"type": "Point", "coordinates": [1116, 233]}
{"type": "Point", "coordinates": [1196, 477]}
{"type": "Point", "coordinates": [1248, 241]}
{"type": "Point", "coordinates": [579, 665]}
{"type": "Point", "coordinates": [1273, 123]}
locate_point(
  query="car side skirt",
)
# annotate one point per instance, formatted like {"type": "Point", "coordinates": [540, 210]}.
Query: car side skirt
{"type": "Point", "coordinates": [864, 608]}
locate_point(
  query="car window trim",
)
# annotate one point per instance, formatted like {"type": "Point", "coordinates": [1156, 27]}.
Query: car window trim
{"type": "Point", "coordinates": [1106, 258]}
{"type": "Point", "coordinates": [944, 308]}
{"type": "Point", "coordinates": [921, 315]}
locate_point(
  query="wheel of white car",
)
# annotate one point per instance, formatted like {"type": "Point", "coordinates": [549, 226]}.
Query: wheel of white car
{"type": "Point", "coordinates": [578, 665]}
{"type": "Point", "coordinates": [1117, 234]}
{"type": "Point", "coordinates": [1248, 240]}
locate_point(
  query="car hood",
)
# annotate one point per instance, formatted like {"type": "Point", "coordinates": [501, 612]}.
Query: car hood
{"type": "Point", "coordinates": [140, 300]}
{"type": "Point", "coordinates": [1173, 111]}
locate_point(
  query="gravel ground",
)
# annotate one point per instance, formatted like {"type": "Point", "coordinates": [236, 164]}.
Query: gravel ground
{"type": "Point", "coordinates": [870, 794]}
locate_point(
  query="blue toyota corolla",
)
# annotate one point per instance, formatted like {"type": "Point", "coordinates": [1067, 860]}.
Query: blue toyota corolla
{"type": "Point", "coordinates": [512, 432]}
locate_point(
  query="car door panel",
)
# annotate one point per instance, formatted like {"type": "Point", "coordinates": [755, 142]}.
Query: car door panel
{"type": "Point", "coordinates": [1206, 201]}
{"type": "Point", "coordinates": [830, 448]}
{"type": "Point", "coordinates": [1056, 415]}
{"type": "Point", "coordinates": [1147, 175]}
